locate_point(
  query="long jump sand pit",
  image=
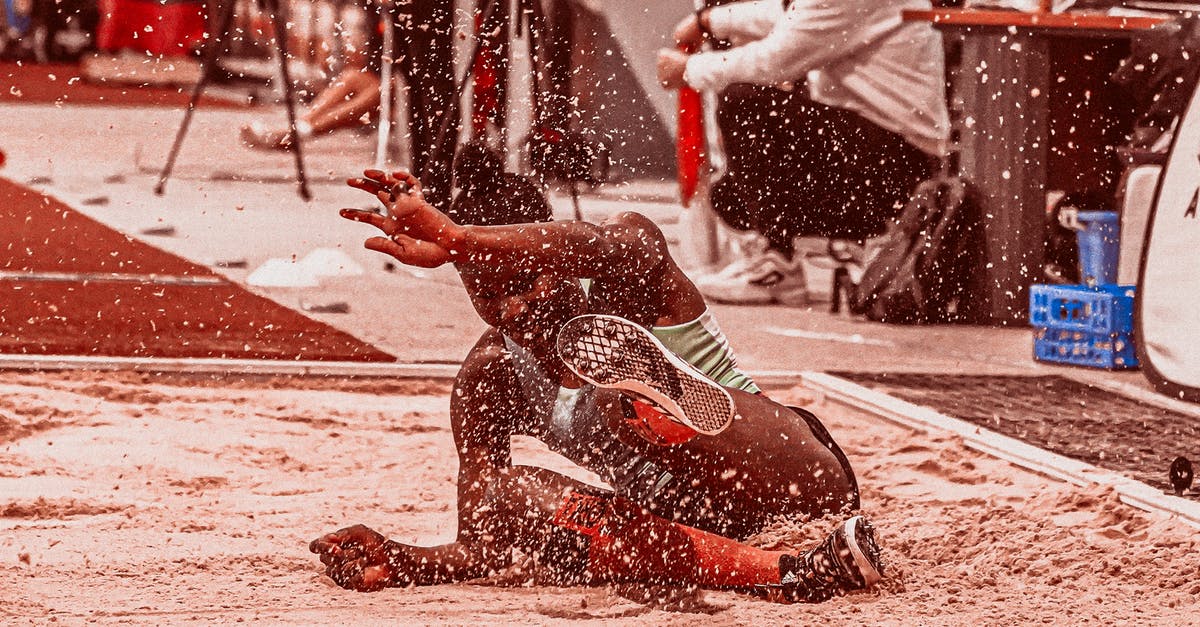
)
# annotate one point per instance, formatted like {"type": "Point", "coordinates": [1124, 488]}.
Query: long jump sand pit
{"type": "Point", "coordinates": [141, 499]}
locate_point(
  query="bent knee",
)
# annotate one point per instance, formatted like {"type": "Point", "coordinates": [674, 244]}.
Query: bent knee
{"type": "Point", "coordinates": [635, 220]}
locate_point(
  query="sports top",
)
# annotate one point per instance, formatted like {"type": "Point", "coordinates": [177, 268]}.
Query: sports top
{"type": "Point", "coordinates": [702, 344]}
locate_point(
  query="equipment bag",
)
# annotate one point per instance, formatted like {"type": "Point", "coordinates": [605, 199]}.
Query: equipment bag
{"type": "Point", "coordinates": [923, 267]}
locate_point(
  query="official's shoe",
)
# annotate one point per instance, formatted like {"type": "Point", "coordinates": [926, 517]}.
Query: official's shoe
{"type": "Point", "coordinates": [757, 279]}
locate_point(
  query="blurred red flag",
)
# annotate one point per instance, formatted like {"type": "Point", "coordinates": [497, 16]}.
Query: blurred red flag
{"type": "Point", "coordinates": [689, 143]}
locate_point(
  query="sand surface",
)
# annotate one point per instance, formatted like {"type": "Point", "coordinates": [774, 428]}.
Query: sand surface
{"type": "Point", "coordinates": [131, 499]}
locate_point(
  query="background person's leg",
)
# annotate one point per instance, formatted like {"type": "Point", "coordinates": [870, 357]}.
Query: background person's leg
{"type": "Point", "coordinates": [858, 183]}
{"type": "Point", "coordinates": [428, 68]}
{"type": "Point", "coordinates": [351, 100]}
{"type": "Point", "coordinates": [769, 139]}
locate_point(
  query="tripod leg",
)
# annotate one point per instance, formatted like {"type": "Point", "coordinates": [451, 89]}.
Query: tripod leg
{"type": "Point", "coordinates": [281, 35]}
{"type": "Point", "coordinates": [387, 58]}
{"type": "Point", "coordinates": [223, 23]}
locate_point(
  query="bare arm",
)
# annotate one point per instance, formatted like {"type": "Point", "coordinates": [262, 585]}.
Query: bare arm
{"type": "Point", "coordinates": [628, 245]}
{"type": "Point", "coordinates": [809, 35]}
{"type": "Point", "coordinates": [577, 249]}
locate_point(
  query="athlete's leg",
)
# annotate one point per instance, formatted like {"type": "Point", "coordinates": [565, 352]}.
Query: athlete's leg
{"type": "Point", "coordinates": [752, 454]}
{"type": "Point", "coordinates": [588, 535]}
{"type": "Point", "coordinates": [770, 461]}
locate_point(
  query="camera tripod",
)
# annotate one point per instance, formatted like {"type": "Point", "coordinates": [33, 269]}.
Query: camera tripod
{"type": "Point", "coordinates": [215, 45]}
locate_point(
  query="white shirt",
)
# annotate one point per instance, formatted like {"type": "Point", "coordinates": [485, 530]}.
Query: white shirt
{"type": "Point", "coordinates": [856, 54]}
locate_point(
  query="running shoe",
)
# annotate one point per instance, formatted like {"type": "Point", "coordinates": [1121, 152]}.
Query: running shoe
{"type": "Point", "coordinates": [612, 352]}
{"type": "Point", "coordinates": [848, 560]}
{"type": "Point", "coordinates": [758, 279]}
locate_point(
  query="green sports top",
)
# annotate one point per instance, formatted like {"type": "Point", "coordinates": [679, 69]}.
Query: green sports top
{"type": "Point", "coordinates": [702, 344]}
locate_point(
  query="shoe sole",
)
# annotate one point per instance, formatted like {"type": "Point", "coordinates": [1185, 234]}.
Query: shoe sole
{"type": "Point", "coordinates": [864, 550]}
{"type": "Point", "coordinates": [611, 352]}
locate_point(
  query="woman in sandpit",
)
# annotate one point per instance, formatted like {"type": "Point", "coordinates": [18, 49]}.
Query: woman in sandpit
{"type": "Point", "coordinates": [630, 378]}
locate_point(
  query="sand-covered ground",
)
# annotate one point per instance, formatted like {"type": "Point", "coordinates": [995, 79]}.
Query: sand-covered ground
{"type": "Point", "coordinates": [134, 499]}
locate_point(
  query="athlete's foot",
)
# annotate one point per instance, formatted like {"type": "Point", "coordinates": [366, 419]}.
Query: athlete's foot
{"type": "Point", "coordinates": [848, 560]}
{"type": "Point", "coordinates": [612, 352]}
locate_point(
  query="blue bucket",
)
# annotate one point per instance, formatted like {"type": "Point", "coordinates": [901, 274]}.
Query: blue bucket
{"type": "Point", "coordinates": [18, 22]}
{"type": "Point", "coordinates": [1099, 246]}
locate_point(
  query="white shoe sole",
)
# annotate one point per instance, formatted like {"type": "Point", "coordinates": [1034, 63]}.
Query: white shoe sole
{"type": "Point", "coordinates": [612, 352]}
{"type": "Point", "coordinates": [868, 567]}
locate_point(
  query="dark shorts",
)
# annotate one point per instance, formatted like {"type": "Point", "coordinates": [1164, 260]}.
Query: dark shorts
{"type": "Point", "coordinates": [572, 424]}
{"type": "Point", "coordinates": [797, 167]}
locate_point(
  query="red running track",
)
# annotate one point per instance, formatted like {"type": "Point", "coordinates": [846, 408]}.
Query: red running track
{"type": "Point", "coordinates": [63, 83]}
{"type": "Point", "coordinates": [72, 286]}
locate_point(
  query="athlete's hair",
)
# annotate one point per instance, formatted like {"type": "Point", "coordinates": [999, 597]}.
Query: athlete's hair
{"type": "Point", "coordinates": [488, 195]}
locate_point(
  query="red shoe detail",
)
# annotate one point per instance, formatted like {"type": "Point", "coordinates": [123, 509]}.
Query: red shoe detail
{"type": "Point", "coordinates": [657, 427]}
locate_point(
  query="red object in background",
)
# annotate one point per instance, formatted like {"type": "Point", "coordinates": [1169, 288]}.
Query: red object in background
{"type": "Point", "coordinates": [489, 84]}
{"type": "Point", "coordinates": [115, 307]}
{"type": "Point", "coordinates": [689, 146]}
{"type": "Point", "coordinates": [689, 141]}
{"type": "Point", "coordinates": [3, 158]}
{"type": "Point", "coordinates": [159, 27]}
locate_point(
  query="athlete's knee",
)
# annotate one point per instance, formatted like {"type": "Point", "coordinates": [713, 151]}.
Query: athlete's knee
{"type": "Point", "coordinates": [485, 402]}
{"type": "Point", "coordinates": [487, 367]}
{"type": "Point", "coordinates": [560, 527]}
{"type": "Point", "coordinates": [524, 498]}
{"type": "Point", "coordinates": [643, 225]}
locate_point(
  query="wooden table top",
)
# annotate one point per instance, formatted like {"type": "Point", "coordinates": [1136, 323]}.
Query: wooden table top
{"type": "Point", "coordinates": [1087, 21]}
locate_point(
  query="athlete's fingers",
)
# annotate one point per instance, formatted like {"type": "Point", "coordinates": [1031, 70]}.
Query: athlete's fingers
{"type": "Point", "coordinates": [406, 177]}
{"type": "Point", "coordinates": [384, 245]}
{"type": "Point", "coordinates": [325, 544]}
{"type": "Point", "coordinates": [367, 185]}
{"type": "Point", "coordinates": [381, 222]}
{"type": "Point", "coordinates": [344, 537]}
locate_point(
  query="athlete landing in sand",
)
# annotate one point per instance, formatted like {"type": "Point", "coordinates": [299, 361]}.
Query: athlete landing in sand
{"type": "Point", "coordinates": [630, 378]}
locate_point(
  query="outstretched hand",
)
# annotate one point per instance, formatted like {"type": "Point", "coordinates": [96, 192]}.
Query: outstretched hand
{"type": "Point", "coordinates": [404, 201]}
{"type": "Point", "coordinates": [357, 558]}
{"type": "Point", "coordinates": [414, 229]}
{"type": "Point", "coordinates": [404, 248]}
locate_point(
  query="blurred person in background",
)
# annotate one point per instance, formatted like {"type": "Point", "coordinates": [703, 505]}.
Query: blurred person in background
{"type": "Point", "coordinates": [425, 57]}
{"type": "Point", "coordinates": [830, 114]}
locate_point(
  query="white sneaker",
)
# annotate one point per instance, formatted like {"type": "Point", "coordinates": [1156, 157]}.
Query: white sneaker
{"type": "Point", "coordinates": [761, 279]}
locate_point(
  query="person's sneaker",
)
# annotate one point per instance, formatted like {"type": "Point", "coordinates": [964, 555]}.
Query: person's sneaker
{"type": "Point", "coordinates": [848, 560]}
{"type": "Point", "coordinates": [612, 352]}
{"type": "Point", "coordinates": [761, 279]}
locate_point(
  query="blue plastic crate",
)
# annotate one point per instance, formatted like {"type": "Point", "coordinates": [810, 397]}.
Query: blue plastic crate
{"type": "Point", "coordinates": [1102, 310]}
{"type": "Point", "coordinates": [1082, 348]}
{"type": "Point", "coordinates": [1083, 325]}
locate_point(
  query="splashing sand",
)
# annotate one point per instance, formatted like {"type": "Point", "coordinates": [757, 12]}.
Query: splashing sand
{"type": "Point", "coordinates": [176, 500]}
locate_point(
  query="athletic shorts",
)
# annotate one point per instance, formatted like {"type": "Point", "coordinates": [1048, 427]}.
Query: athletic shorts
{"type": "Point", "coordinates": [570, 422]}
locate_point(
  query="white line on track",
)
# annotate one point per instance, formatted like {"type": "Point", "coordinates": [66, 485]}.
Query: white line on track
{"type": "Point", "coordinates": [111, 277]}
{"type": "Point", "coordinates": [845, 338]}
